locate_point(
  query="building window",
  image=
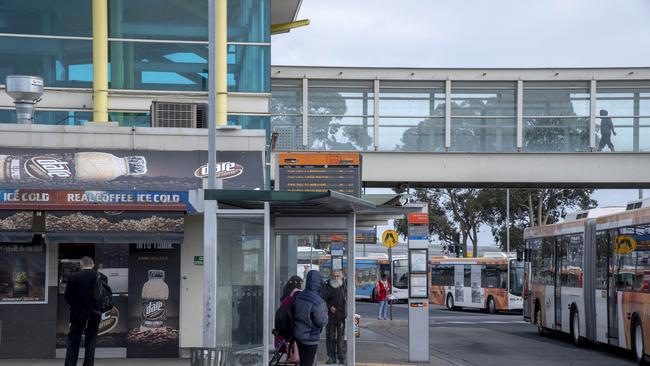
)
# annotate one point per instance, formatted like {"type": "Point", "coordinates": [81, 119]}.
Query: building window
{"type": "Point", "coordinates": [248, 20]}
{"type": "Point", "coordinates": [51, 17]}
{"type": "Point", "coordinates": [556, 116]}
{"type": "Point", "coordinates": [483, 116]}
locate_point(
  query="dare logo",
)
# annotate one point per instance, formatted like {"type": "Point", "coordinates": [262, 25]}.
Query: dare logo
{"type": "Point", "coordinates": [47, 168]}
{"type": "Point", "coordinates": [109, 321]}
{"type": "Point", "coordinates": [224, 170]}
{"type": "Point", "coordinates": [153, 310]}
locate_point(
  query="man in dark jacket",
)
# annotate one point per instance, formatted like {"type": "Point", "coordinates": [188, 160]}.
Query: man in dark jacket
{"type": "Point", "coordinates": [334, 294]}
{"type": "Point", "coordinates": [83, 319]}
{"type": "Point", "coordinates": [309, 318]}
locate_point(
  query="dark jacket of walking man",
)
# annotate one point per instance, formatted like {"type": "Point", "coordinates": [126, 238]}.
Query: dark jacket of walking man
{"type": "Point", "coordinates": [606, 131]}
{"type": "Point", "coordinates": [334, 294]}
{"type": "Point", "coordinates": [83, 319]}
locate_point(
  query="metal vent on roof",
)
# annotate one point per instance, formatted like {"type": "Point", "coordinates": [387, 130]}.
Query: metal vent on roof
{"type": "Point", "coordinates": [171, 114]}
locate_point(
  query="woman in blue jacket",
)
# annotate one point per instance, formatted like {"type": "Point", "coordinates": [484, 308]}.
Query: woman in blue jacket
{"type": "Point", "coordinates": [309, 318]}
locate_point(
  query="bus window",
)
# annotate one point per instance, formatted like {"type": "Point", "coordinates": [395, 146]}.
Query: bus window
{"type": "Point", "coordinates": [516, 277]}
{"type": "Point", "coordinates": [400, 274]}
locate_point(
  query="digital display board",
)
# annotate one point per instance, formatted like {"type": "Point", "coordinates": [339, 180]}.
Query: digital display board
{"type": "Point", "coordinates": [320, 172]}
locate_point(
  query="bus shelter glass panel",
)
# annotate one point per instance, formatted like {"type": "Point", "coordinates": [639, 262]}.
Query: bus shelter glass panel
{"type": "Point", "coordinates": [240, 292]}
{"type": "Point", "coordinates": [296, 255]}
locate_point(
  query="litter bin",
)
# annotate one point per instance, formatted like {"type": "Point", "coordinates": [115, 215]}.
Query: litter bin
{"type": "Point", "coordinates": [219, 356]}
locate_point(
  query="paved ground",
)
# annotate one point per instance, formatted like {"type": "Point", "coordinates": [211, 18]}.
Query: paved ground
{"type": "Point", "coordinates": [476, 338]}
{"type": "Point", "coordinates": [469, 338]}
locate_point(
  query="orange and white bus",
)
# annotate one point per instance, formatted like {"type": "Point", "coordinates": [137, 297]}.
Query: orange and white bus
{"type": "Point", "coordinates": [591, 278]}
{"type": "Point", "coordinates": [493, 282]}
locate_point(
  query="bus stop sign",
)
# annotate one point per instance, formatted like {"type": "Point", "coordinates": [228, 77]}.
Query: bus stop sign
{"type": "Point", "coordinates": [389, 238]}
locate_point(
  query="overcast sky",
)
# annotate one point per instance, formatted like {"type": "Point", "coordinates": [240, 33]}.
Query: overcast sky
{"type": "Point", "coordinates": [468, 33]}
{"type": "Point", "coordinates": [472, 33]}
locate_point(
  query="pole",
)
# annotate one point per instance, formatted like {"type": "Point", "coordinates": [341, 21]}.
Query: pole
{"type": "Point", "coordinates": [640, 194]}
{"type": "Point", "coordinates": [508, 219]}
{"type": "Point", "coordinates": [390, 281]}
{"type": "Point", "coordinates": [221, 53]}
{"type": "Point", "coordinates": [100, 60]}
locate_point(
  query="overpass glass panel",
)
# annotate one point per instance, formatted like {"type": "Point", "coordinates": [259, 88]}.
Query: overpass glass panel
{"type": "Point", "coordinates": [483, 134]}
{"type": "Point", "coordinates": [412, 134]}
{"type": "Point", "coordinates": [477, 116]}
{"type": "Point", "coordinates": [341, 115]}
{"type": "Point", "coordinates": [411, 116]}
{"type": "Point", "coordinates": [556, 116]}
{"type": "Point", "coordinates": [624, 105]}
{"type": "Point", "coordinates": [286, 109]}
{"type": "Point", "coordinates": [340, 133]}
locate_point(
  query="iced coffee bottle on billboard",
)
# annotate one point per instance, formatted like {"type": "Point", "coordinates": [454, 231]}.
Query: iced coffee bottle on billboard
{"type": "Point", "coordinates": [155, 293]}
{"type": "Point", "coordinates": [87, 166]}
{"type": "Point", "coordinates": [21, 285]}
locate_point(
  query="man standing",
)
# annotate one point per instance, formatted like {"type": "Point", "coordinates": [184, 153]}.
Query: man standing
{"type": "Point", "coordinates": [606, 131]}
{"type": "Point", "coordinates": [334, 294]}
{"type": "Point", "coordinates": [83, 319]}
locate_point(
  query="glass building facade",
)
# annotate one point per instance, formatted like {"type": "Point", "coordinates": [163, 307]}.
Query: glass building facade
{"type": "Point", "coordinates": [153, 46]}
{"type": "Point", "coordinates": [496, 116]}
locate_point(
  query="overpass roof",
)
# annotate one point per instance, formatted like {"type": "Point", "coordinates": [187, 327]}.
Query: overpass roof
{"type": "Point", "coordinates": [284, 11]}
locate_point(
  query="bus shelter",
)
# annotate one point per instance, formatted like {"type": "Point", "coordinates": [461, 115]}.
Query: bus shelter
{"type": "Point", "coordinates": [254, 238]}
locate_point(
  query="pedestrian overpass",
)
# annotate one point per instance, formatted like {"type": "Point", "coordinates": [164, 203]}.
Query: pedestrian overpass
{"type": "Point", "coordinates": [471, 127]}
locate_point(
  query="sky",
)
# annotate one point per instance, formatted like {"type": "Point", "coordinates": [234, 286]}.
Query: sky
{"type": "Point", "coordinates": [468, 33]}
{"type": "Point", "coordinates": [472, 33]}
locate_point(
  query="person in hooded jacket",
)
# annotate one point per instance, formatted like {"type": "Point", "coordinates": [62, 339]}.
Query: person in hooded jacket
{"type": "Point", "coordinates": [309, 318]}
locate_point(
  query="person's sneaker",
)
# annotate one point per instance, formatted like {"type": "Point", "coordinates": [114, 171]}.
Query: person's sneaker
{"type": "Point", "coordinates": [378, 318]}
{"type": "Point", "coordinates": [330, 361]}
{"type": "Point", "coordinates": [385, 318]}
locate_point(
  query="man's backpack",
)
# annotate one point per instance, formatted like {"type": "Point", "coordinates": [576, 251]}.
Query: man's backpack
{"type": "Point", "coordinates": [284, 321]}
{"type": "Point", "coordinates": [102, 300]}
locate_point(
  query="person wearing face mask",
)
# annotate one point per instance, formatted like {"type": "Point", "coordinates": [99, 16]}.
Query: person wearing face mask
{"type": "Point", "coordinates": [334, 294]}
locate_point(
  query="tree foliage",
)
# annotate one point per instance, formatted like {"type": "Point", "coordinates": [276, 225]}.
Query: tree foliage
{"type": "Point", "coordinates": [456, 215]}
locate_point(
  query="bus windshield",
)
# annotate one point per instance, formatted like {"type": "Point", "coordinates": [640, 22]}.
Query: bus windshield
{"type": "Point", "coordinates": [400, 273]}
{"type": "Point", "coordinates": [516, 277]}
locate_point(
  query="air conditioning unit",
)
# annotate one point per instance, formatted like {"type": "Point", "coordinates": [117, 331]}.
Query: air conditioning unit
{"type": "Point", "coordinates": [179, 115]}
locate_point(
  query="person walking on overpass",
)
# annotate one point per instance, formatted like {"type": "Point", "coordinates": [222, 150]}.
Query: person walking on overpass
{"type": "Point", "coordinates": [606, 131]}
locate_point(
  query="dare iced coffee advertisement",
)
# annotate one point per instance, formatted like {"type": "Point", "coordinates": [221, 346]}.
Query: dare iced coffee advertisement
{"type": "Point", "coordinates": [154, 285]}
{"type": "Point", "coordinates": [126, 170]}
{"type": "Point", "coordinates": [22, 272]}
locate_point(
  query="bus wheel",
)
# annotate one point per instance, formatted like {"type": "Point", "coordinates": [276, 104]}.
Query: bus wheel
{"type": "Point", "coordinates": [450, 302]}
{"type": "Point", "coordinates": [637, 343]}
{"type": "Point", "coordinates": [575, 328]}
{"type": "Point", "coordinates": [538, 321]}
{"type": "Point", "coordinates": [491, 306]}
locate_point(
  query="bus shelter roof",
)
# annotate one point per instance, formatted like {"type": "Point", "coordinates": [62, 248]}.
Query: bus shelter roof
{"type": "Point", "coordinates": [329, 202]}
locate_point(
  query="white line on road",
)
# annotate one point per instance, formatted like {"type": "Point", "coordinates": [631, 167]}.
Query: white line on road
{"type": "Point", "coordinates": [482, 322]}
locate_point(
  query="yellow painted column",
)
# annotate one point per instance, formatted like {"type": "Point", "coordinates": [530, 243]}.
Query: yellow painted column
{"type": "Point", "coordinates": [221, 56]}
{"type": "Point", "coordinates": [100, 60]}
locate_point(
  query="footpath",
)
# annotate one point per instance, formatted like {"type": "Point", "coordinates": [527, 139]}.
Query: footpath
{"type": "Point", "coordinates": [381, 343]}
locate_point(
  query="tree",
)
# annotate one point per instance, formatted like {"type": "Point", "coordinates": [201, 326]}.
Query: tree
{"type": "Point", "coordinates": [455, 216]}
{"type": "Point", "coordinates": [531, 207]}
